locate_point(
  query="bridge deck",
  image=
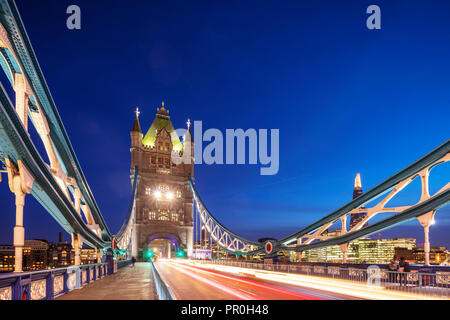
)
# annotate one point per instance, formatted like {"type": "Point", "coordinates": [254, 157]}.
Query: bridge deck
{"type": "Point", "coordinates": [129, 283]}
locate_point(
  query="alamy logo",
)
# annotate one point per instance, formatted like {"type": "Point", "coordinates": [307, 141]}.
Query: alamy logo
{"type": "Point", "coordinates": [374, 276]}
{"type": "Point", "coordinates": [374, 20]}
{"type": "Point", "coordinates": [73, 278]}
{"type": "Point", "coordinates": [236, 141]}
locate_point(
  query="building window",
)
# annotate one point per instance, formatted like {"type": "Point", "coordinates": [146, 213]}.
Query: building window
{"type": "Point", "coordinates": [178, 194]}
{"type": "Point", "coordinates": [164, 187]}
{"type": "Point", "coordinates": [152, 215]}
{"type": "Point", "coordinates": [174, 216]}
{"type": "Point", "coordinates": [153, 160]}
{"type": "Point", "coordinates": [148, 191]}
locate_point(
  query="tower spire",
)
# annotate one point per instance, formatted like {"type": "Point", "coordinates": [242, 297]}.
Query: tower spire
{"type": "Point", "coordinates": [357, 189]}
{"type": "Point", "coordinates": [358, 181]}
{"type": "Point", "coordinates": [356, 217]}
{"type": "Point", "coordinates": [136, 124]}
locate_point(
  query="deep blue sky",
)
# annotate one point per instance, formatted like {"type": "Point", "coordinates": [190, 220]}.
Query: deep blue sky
{"type": "Point", "coordinates": [346, 99]}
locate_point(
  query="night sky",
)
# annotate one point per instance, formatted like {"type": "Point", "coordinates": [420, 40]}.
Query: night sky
{"type": "Point", "coordinates": [345, 99]}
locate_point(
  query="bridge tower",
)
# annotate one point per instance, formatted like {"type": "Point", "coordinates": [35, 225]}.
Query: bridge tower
{"type": "Point", "coordinates": [164, 202]}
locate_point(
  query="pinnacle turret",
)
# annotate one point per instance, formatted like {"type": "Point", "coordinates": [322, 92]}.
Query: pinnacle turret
{"type": "Point", "coordinates": [357, 190]}
{"type": "Point", "coordinates": [136, 124]}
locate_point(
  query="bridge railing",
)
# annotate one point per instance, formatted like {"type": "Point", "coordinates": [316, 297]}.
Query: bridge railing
{"type": "Point", "coordinates": [123, 263]}
{"type": "Point", "coordinates": [424, 281]}
{"type": "Point", "coordinates": [52, 283]}
{"type": "Point", "coordinates": [162, 289]}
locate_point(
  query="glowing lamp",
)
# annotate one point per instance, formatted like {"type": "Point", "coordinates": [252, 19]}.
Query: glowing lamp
{"type": "Point", "coordinates": [169, 195]}
{"type": "Point", "coordinates": [157, 194]}
{"type": "Point", "coordinates": [180, 253]}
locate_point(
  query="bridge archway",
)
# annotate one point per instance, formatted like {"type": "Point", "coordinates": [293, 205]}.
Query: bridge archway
{"type": "Point", "coordinates": [162, 244]}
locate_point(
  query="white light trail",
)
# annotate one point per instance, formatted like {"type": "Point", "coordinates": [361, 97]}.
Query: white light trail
{"type": "Point", "coordinates": [344, 287]}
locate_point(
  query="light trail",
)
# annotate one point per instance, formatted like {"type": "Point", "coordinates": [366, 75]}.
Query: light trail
{"type": "Point", "coordinates": [251, 283]}
{"type": "Point", "coordinates": [215, 284]}
{"type": "Point", "coordinates": [338, 286]}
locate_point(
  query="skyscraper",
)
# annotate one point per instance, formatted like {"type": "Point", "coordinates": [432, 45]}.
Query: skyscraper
{"type": "Point", "coordinates": [357, 191]}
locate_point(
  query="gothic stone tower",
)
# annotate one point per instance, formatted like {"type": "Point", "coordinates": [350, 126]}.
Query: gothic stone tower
{"type": "Point", "coordinates": [164, 199]}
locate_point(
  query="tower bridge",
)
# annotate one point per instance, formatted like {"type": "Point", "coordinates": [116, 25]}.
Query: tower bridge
{"type": "Point", "coordinates": [164, 201]}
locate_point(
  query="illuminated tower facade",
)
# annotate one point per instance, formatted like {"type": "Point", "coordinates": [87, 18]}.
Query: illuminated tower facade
{"type": "Point", "coordinates": [164, 199]}
{"type": "Point", "coordinates": [357, 191]}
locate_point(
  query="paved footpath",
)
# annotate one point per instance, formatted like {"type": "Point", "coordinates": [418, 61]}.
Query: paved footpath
{"type": "Point", "coordinates": [129, 283]}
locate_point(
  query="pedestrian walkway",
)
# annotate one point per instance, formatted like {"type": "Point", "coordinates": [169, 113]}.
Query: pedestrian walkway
{"type": "Point", "coordinates": [128, 283]}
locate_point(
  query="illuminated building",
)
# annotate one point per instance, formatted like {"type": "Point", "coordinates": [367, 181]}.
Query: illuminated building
{"type": "Point", "coordinates": [35, 253]}
{"type": "Point", "coordinates": [164, 199]}
{"type": "Point", "coordinates": [61, 254]}
{"type": "Point", "coordinates": [438, 255]}
{"type": "Point", "coordinates": [361, 251]}
{"type": "Point", "coordinates": [88, 256]}
{"type": "Point", "coordinates": [380, 250]}
{"type": "Point", "coordinates": [7, 254]}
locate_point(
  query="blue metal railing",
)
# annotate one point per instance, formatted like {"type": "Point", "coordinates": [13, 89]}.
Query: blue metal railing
{"type": "Point", "coordinates": [423, 280]}
{"type": "Point", "coordinates": [52, 283]}
{"type": "Point", "coordinates": [123, 263]}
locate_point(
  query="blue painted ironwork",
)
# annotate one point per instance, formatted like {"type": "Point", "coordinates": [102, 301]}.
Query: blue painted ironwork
{"type": "Point", "coordinates": [11, 20]}
{"type": "Point", "coordinates": [224, 237]}
{"type": "Point", "coordinates": [378, 190]}
{"type": "Point", "coordinates": [123, 237]}
{"type": "Point", "coordinates": [21, 283]}
{"type": "Point", "coordinates": [16, 144]}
